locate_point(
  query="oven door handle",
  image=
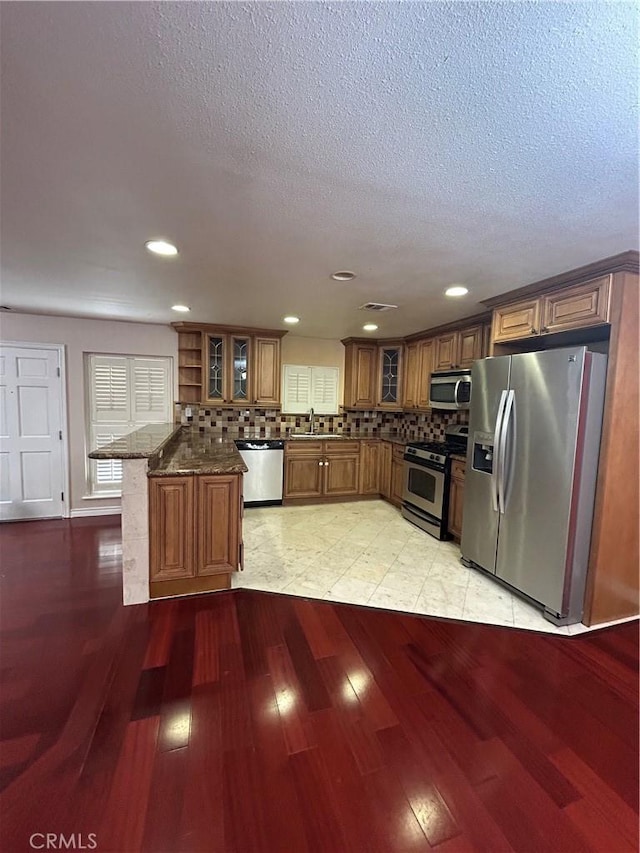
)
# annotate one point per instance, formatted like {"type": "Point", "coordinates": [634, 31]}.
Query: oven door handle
{"type": "Point", "coordinates": [496, 451]}
{"type": "Point", "coordinates": [425, 466]}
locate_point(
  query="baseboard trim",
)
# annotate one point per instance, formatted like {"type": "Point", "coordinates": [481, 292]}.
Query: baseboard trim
{"type": "Point", "coordinates": [99, 510]}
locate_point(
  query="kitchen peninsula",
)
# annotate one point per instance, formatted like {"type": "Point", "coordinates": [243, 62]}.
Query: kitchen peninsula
{"type": "Point", "coordinates": [181, 511]}
{"type": "Point", "coordinates": [182, 498]}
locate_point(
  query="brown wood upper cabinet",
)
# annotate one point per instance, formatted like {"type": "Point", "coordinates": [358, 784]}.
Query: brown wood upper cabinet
{"type": "Point", "coordinates": [360, 368]}
{"type": "Point", "coordinates": [266, 371]}
{"type": "Point", "coordinates": [574, 307]}
{"type": "Point", "coordinates": [389, 376]}
{"type": "Point", "coordinates": [418, 364]}
{"type": "Point", "coordinates": [227, 360]}
{"type": "Point", "coordinates": [458, 349]}
{"type": "Point", "coordinates": [562, 310]}
{"type": "Point", "coordinates": [373, 374]}
{"type": "Point", "coordinates": [425, 368]}
{"type": "Point", "coordinates": [411, 371]}
{"type": "Point", "coordinates": [228, 366]}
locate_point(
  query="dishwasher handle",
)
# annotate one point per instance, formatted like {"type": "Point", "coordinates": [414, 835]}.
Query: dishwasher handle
{"type": "Point", "coordinates": [259, 444]}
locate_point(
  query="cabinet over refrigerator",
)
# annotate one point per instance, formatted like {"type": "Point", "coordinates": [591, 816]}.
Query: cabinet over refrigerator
{"type": "Point", "coordinates": [532, 461]}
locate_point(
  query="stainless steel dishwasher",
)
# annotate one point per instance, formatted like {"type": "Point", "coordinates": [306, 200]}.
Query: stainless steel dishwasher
{"type": "Point", "coordinates": [264, 457]}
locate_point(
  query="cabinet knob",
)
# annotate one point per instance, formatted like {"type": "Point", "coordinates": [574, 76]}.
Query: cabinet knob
{"type": "Point", "coordinates": [532, 330]}
{"type": "Point", "coordinates": [543, 329]}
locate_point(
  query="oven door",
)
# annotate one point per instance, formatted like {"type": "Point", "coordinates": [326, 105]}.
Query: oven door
{"type": "Point", "coordinates": [424, 488]}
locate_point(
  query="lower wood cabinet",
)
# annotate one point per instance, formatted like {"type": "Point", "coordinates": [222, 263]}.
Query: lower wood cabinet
{"type": "Point", "coordinates": [326, 469]}
{"type": "Point", "coordinates": [370, 467]}
{"type": "Point", "coordinates": [195, 537]}
{"type": "Point", "coordinates": [303, 475]}
{"type": "Point", "coordinates": [217, 522]}
{"type": "Point", "coordinates": [391, 471]}
{"type": "Point", "coordinates": [397, 475]}
{"type": "Point", "coordinates": [319, 469]}
{"type": "Point", "coordinates": [341, 474]}
{"type": "Point", "coordinates": [456, 498]}
{"type": "Point", "coordinates": [386, 454]}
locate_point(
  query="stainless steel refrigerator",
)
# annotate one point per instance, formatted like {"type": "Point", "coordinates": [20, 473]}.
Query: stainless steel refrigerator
{"type": "Point", "coordinates": [532, 461]}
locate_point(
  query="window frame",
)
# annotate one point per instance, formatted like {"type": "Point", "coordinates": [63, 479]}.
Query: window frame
{"type": "Point", "coordinates": [121, 427]}
{"type": "Point", "coordinates": [315, 372]}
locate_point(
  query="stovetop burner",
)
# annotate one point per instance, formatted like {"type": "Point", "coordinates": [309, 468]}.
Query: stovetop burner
{"type": "Point", "coordinates": [456, 442]}
{"type": "Point", "coordinates": [431, 446]}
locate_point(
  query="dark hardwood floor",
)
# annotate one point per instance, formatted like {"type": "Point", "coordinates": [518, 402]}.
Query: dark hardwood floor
{"type": "Point", "coordinates": [243, 721]}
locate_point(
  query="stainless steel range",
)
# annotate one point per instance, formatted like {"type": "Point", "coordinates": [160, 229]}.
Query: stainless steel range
{"type": "Point", "coordinates": [425, 500]}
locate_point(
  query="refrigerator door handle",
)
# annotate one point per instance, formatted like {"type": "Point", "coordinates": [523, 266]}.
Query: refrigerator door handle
{"type": "Point", "coordinates": [496, 451]}
{"type": "Point", "coordinates": [502, 453]}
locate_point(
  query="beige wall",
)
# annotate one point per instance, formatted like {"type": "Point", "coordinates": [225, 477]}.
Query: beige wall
{"type": "Point", "coordinates": [320, 352]}
{"type": "Point", "coordinates": [81, 336]}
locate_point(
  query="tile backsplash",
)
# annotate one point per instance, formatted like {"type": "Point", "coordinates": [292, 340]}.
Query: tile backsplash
{"type": "Point", "coordinates": [429, 426]}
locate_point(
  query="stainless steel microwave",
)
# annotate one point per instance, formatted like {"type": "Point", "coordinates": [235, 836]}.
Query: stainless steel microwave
{"type": "Point", "coordinates": [450, 389]}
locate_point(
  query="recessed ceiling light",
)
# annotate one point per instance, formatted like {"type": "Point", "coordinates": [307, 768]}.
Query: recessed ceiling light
{"type": "Point", "coordinates": [291, 319]}
{"type": "Point", "coordinates": [161, 247]}
{"type": "Point", "coordinates": [456, 290]}
{"type": "Point", "coordinates": [182, 308]}
{"type": "Point", "coordinates": [343, 275]}
{"type": "Point", "coordinates": [370, 327]}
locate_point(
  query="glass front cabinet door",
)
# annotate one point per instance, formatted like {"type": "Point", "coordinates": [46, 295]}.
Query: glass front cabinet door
{"type": "Point", "coordinates": [228, 369]}
{"type": "Point", "coordinates": [240, 351]}
{"type": "Point", "coordinates": [389, 385]}
{"type": "Point", "coordinates": [215, 360]}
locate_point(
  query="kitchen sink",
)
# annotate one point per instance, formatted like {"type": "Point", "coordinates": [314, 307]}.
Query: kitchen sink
{"type": "Point", "coordinates": [318, 436]}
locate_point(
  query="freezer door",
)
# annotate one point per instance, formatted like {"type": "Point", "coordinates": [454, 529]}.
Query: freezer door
{"type": "Point", "coordinates": [536, 482]}
{"type": "Point", "coordinates": [489, 379]}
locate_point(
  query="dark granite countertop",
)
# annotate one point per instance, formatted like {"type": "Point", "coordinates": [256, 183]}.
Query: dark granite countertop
{"type": "Point", "coordinates": [199, 453]}
{"type": "Point", "coordinates": [190, 451]}
{"type": "Point", "coordinates": [143, 443]}
{"type": "Point", "coordinates": [287, 435]}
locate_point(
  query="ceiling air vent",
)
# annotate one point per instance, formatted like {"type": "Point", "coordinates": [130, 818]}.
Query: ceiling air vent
{"type": "Point", "coordinates": [376, 306]}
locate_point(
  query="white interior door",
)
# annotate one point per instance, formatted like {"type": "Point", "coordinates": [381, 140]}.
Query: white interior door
{"type": "Point", "coordinates": [31, 447]}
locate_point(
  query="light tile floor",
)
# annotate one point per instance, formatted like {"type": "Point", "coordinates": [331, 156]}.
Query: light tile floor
{"type": "Point", "coordinates": [365, 552]}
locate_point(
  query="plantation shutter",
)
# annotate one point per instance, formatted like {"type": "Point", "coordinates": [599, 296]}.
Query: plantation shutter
{"type": "Point", "coordinates": [124, 393]}
{"type": "Point", "coordinates": [109, 389]}
{"type": "Point", "coordinates": [305, 386]}
{"type": "Point", "coordinates": [296, 389]}
{"type": "Point", "coordinates": [151, 399]}
{"type": "Point", "coordinates": [107, 473]}
{"type": "Point", "coordinates": [324, 390]}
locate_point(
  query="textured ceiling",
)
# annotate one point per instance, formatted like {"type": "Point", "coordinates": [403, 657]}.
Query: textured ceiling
{"type": "Point", "coordinates": [419, 144]}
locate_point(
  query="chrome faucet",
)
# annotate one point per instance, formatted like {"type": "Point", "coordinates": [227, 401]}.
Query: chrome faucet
{"type": "Point", "coordinates": [312, 421]}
